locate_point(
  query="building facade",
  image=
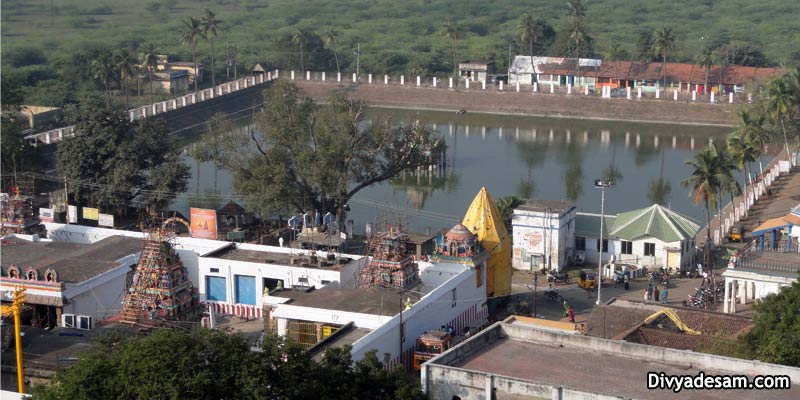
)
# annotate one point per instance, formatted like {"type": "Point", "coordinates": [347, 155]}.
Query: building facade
{"type": "Point", "coordinates": [542, 233]}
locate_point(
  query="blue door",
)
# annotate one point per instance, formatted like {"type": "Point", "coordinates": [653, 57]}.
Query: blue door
{"type": "Point", "coordinates": [245, 289]}
{"type": "Point", "coordinates": [215, 288]}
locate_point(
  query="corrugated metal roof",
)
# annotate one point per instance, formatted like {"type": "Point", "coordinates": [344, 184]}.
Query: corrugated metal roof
{"type": "Point", "coordinates": [654, 221]}
{"type": "Point", "coordinates": [589, 224]}
{"type": "Point", "coordinates": [770, 224]}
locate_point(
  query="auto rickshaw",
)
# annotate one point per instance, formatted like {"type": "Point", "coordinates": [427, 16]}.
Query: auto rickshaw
{"type": "Point", "coordinates": [587, 279]}
{"type": "Point", "coordinates": [735, 233]}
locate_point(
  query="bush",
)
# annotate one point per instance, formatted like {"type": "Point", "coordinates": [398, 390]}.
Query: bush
{"type": "Point", "coordinates": [25, 56]}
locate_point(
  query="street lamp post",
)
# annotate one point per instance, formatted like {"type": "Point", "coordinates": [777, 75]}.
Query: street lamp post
{"type": "Point", "coordinates": [602, 184]}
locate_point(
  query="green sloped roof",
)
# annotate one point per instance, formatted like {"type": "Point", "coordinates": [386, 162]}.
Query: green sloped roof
{"type": "Point", "coordinates": [589, 224]}
{"type": "Point", "coordinates": [654, 221]}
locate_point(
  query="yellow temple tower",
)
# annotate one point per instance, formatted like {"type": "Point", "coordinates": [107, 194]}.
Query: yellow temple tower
{"type": "Point", "coordinates": [484, 221]}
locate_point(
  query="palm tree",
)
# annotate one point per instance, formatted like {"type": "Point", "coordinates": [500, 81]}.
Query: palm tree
{"type": "Point", "coordinates": [780, 104]}
{"type": "Point", "coordinates": [211, 27]}
{"type": "Point", "coordinates": [506, 206]}
{"type": "Point", "coordinates": [451, 31]}
{"type": "Point", "coordinates": [192, 32]}
{"type": "Point", "coordinates": [703, 185]}
{"type": "Point", "coordinates": [726, 164]}
{"type": "Point", "coordinates": [149, 59]}
{"type": "Point", "coordinates": [576, 11]}
{"type": "Point", "coordinates": [529, 30]}
{"type": "Point", "coordinates": [124, 63]}
{"type": "Point", "coordinates": [299, 38]}
{"type": "Point", "coordinates": [706, 59]}
{"type": "Point", "coordinates": [331, 36]}
{"type": "Point", "coordinates": [615, 54]}
{"type": "Point", "coordinates": [743, 152]}
{"type": "Point", "coordinates": [664, 43]}
{"type": "Point", "coordinates": [103, 70]}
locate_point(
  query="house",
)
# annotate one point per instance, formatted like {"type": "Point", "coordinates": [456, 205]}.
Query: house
{"type": "Point", "coordinates": [650, 237]}
{"type": "Point", "coordinates": [559, 71]}
{"type": "Point", "coordinates": [765, 265]}
{"type": "Point", "coordinates": [69, 284]}
{"type": "Point", "coordinates": [542, 232]}
{"type": "Point", "coordinates": [476, 70]}
{"type": "Point", "coordinates": [497, 363]}
{"type": "Point", "coordinates": [381, 319]}
{"type": "Point", "coordinates": [172, 81]}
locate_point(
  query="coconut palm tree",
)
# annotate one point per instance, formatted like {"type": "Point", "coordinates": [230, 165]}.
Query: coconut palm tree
{"type": "Point", "coordinates": [124, 64]}
{"type": "Point", "coordinates": [191, 33]}
{"type": "Point", "coordinates": [616, 54]}
{"type": "Point", "coordinates": [664, 43]}
{"type": "Point", "coordinates": [743, 152]}
{"type": "Point", "coordinates": [331, 36]}
{"type": "Point", "coordinates": [706, 59]}
{"type": "Point", "coordinates": [506, 206]}
{"type": "Point", "coordinates": [103, 70]}
{"type": "Point", "coordinates": [451, 31]}
{"type": "Point", "coordinates": [299, 39]}
{"type": "Point", "coordinates": [726, 165]}
{"type": "Point", "coordinates": [149, 59]}
{"type": "Point", "coordinates": [211, 28]}
{"type": "Point", "coordinates": [529, 30]}
{"type": "Point", "coordinates": [780, 106]}
{"type": "Point", "coordinates": [703, 185]}
{"type": "Point", "coordinates": [576, 11]}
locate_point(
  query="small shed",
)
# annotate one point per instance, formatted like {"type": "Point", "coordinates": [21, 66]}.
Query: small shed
{"type": "Point", "coordinates": [476, 70]}
{"type": "Point", "coordinates": [233, 215]}
{"type": "Point", "coordinates": [260, 68]}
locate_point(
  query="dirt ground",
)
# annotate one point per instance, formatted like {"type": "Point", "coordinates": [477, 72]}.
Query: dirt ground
{"type": "Point", "coordinates": [535, 104]}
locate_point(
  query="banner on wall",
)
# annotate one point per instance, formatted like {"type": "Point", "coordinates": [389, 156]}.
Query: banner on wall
{"type": "Point", "coordinates": [46, 214]}
{"type": "Point", "coordinates": [72, 214]}
{"type": "Point", "coordinates": [204, 223]}
{"type": "Point", "coordinates": [105, 220]}
{"type": "Point", "coordinates": [91, 213]}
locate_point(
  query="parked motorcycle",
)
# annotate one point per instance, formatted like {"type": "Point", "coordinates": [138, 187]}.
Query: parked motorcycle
{"type": "Point", "coordinates": [561, 277]}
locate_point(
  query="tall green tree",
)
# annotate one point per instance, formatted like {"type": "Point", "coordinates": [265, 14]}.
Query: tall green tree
{"type": "Point", "coordinates": [663, 44]}
{"type": "Point", "coordinates": [615, 54]}
{"type": "Point", "coordinates": [124, 64]}
{"type": "Point", "coordinates": [192, 32]}
{"type": "Point", "coordinates": [506, 206]}
{"type": "Point", "coordinates": [704, 185]}
{"type": "Point", "coordinates": [306, 155]}
{"type": "Point", "coordinates": [111, 161]}
{"type": "Point", "coordinates": [706, 60]}
{"type": "Point", "coordinates": [529, 30]}
{"type": "Point", "coordinates": [452, 32]}
{"type": "Point", "coordinates": [776, 335]}
{"type": "Point", "coordinates": [578, 35]}
{"type": "Point", "coordinates": [331, 38]}
{"type": "Point", "coordinates": [103, 71]}
{"type": "Point", "coordinates": [299, 39]}
{"type": "Point", "coordinates": [149, 59]}
{"type": "Point", "coordinates": [781, 106]}
{"type": "Point", "coordinates": [211, 28]}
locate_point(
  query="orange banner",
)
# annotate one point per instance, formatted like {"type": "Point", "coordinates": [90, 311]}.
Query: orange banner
{"type": "Point", "coordinates": [204, 223]}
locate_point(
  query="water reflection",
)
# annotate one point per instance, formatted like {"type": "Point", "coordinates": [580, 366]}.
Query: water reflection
{"type": "Point", "coordinates": [530, 157]}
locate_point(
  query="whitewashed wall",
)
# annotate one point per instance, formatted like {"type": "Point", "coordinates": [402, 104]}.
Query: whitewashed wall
{"type": "Point", "coordinates": [542, 233]}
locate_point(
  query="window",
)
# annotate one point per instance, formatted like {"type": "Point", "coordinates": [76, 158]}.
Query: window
{"type": "Point", "coordinates": [215, 288]}
{"type": "Point", "coordinates": [605, 245]}
{"type": "Point", "coordinates": [580, 243]}
{"type": "Point", "coordinates": [650, 249]}
{"type": "Point", "coordinates": [627, 247]}
{"type": "Point", "coordinates": [478, 275]}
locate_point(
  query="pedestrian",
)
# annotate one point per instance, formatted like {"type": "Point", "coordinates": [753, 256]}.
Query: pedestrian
{"type": "Point", "coordinates": [566, 309]}
{"type": "Point", "coordinates": [646, 296]}
{"type": "Point", "coordinates": [664, 294]}
{"type": "Point", "coordinates": [650, 291]}
{"type": "Point", "coordinates": [655, 293]}
{"type": "Point", "coordinates": [627, 282]}
{"type": "Point", "coordinates": [571, 314]}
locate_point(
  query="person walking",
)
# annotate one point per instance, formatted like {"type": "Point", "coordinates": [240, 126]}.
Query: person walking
{"type": "Point", "coordinates": [664, 294]}
{"type": "Point", "coordinates": [650, 291]}
{"type": "Point", "coordinates": [626, 282]}
{"type": "Point", "coordinates": [566, 309]}
{"type": "Point", "coordinates": [571, 314]}
{"type": "Point", "coordinates": [646, 296]}
{"type": "Point", "coordinates": [655, 293]}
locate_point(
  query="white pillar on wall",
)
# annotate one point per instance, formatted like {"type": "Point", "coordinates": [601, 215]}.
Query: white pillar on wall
{"type": "Point", "coordinates": [418, 80]}
{"type": "Point", "coordinates": [369, 79]}
{"type": "Point", "coordinates": [451, 83]}
{"type": "Point", "coordinates": [355, 78]}
{"type": "Point", "coordinates": [467, 82]}
{"type": "Point", "coordinates": [269, 75]}
{"type": "Point", "coordinates": [675, 94]}
{"type": "Point", "coordinates": [658, 93]}
{"type": "Point", "coordinates": [323, 76]}
{"type": "Point", "coordinates": [569, 88]}
{"type": "Point", "coordinates": [586, 90]}
{"type": "Point", "coordinates": [694, 95]}
{"type": "Point", "coordinates": [501, 86]}
{"type": "Point", "coordinates": [235, 84]}
{"type": "Point", "coordinates": [154, 109]}
{"type": "Point", "coordinates": [730, 97]}
{"type": "Point", "coordinates": [552, 87]}
{"type": "Point", "coordinates": [292, 74]}
{"type": "Point", "coordinates": [535, 87]}
{"type": "Point", "coordinates": [517, 86]}
{"type": "Point", "coordinates": [712, 97]}
{"type": "Point", "coordinates": [338, 77]}
{"type": "Point", "coordinates": [628, 92]}
{"type": "Point", "coordinates": [483, 85]}
{"type": "Point", "coordinates": [434, 81]}
{"type": "Point", "coordinates": [308, 75]}
{"type": "Point", "coordinates": [639, 92]}
{"type": "Point", "coordinates": [402, 80]}
{"type": "Point", "coordinates": [726, 302]}
{"type": "Point", "coordinates": [386, 79]}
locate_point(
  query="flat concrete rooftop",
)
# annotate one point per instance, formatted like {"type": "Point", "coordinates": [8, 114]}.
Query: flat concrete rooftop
{"type": "Point", "coordinates": [374, 301]}
{"type": "Point", "coordinates": [581, 364]}
{"type": "Point", "coordinates": [275, 258]}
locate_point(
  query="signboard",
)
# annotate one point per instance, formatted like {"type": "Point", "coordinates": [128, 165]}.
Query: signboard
{"type": "Point", "coordinates": [204, 223]}
{"type": "Point", "coordinates": [91, 213]}
{"type": "Point", "coordinates": [105, 220]}
{"type": "Point", "coordinates": [46, 214]}
{"type": "Point", "coordinates": [72, 214]}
